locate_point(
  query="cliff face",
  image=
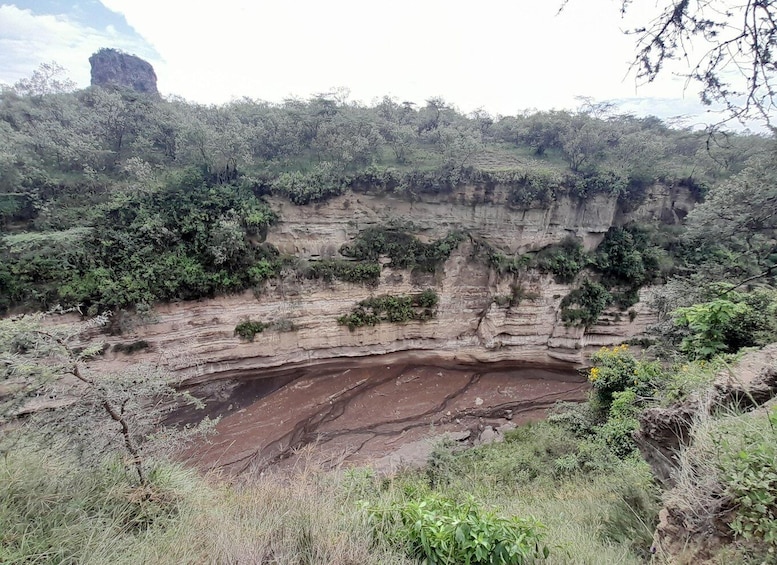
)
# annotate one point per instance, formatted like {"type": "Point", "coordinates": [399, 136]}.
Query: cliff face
{"type": "Point", "coordinates": [196, 339]}
{"type": "Point", "coordinates": [114, 68]}
{"type": "Point", "coordinates": [320, 230]}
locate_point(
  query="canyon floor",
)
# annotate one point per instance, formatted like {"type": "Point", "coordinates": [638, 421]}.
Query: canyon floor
{"type": "Point", "coordinates": [385, 415]}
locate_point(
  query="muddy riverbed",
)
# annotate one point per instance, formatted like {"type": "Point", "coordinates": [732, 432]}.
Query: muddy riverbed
{"type": "Point", "coordinates": [384, 412]}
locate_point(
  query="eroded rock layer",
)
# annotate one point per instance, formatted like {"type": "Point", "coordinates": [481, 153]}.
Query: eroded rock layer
{"type": "Point", "coordinates": [197, 340]}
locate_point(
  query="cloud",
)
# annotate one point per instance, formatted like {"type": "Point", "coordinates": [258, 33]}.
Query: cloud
{"type": "Point", "coordinates": [504, 56]}
{"type": "Point", "coordinates": [29, 39]}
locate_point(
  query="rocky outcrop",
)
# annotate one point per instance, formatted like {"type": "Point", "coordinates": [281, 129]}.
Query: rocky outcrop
{"type": "Point", "coordinates": [112, 68]}
{"type": "Point", "coordinates": [754, 382]}
{"type": "Point", "coordinates": [664, 431]}
{"type": "Point", "coordinates": [319, 230]}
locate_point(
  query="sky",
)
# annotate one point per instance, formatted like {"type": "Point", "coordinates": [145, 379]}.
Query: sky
{"type": "Point", "coordinates": [502, 56]}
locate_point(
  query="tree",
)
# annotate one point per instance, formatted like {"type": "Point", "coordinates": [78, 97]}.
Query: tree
{"type": "Point", "coordinates": [738, 221]}
{"type": "Point", "coordinates": [583, 141]}
{"type": "Point", "coordinates": [48, 78]}
{"type": "Point", "coordinates": [729, 48]}
{"type": "Point", "coordinates": [44, 373]}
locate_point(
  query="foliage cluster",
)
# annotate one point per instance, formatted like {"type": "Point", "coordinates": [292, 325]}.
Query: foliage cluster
{"type": "Point", "coordinates": [621, 387]}
{"type": "Point", "coordinates": [405, 250]}
{"type": "Point", "coordinates": [627, 259]}
{"type": "Point", "coordinates": [321, 183]}
{"type": "Point", "coordinates": [616, 371]}
{"type": "Point", "coordinates": [565, 260]}
{"type": "Point", "coordinates": [367, 272]}
{"type": "Point", "coordinates": [393, 309]}
{"type": "Point", "coordinates": [247, 329]}
{"type": "Point", "coordinates": [748, 466]}
{"type": "Point", "coordinates": [526, 187]}
{"type": "Point", "coordinates": [185, 239]}
{"type": "Point", "coordinates": [729, 322]}
{"type": "Point", "coordinates": [583, 305]}
{"type": "Point", "coordinates": [440, 531]}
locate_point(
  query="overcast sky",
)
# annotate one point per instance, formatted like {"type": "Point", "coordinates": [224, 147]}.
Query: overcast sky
{"type": "Point", "coordinates": [504, 56]}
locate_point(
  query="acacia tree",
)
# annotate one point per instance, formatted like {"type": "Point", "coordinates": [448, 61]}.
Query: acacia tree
{"type": "Point", "coordinates": [44, 375]}
{"type": "Point", "coordinates": [737, 41]}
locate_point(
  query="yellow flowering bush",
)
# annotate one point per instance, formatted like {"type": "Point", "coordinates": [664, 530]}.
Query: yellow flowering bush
{"type": "Point", "coordinates": [616, 370]}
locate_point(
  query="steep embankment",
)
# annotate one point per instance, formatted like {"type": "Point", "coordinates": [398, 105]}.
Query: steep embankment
{"type": "Point", "coordinates": [197, 341]}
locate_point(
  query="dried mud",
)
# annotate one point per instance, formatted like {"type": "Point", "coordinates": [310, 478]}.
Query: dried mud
{"type": "Point", "coordinates": [383, 412]}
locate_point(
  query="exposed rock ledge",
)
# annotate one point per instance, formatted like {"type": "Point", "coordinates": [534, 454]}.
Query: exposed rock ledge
{"type": "Point", "coordinates": [196, 340]}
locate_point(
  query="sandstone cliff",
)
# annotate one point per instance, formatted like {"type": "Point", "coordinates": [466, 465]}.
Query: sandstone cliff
{"type": "Point", "coordinates": [196, 339]}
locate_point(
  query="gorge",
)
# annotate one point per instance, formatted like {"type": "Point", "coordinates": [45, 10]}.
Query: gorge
{"type": "Point", "coordinates": [517, 359]}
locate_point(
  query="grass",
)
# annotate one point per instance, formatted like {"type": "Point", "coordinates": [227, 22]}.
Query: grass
{"type": "Point", "coordinates": [602, 512]}
{"type": "Point", "coordinates": [53, 511]}
{"type": "Point", "coordinates": [727, 481]}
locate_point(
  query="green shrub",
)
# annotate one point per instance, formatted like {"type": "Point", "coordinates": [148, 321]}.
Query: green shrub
{"type": "Point", "coordinates": [247, 330]}
{"type": "Point", "coordinates": [628, 257]}
{"type": "Point", "coordinates": [438, 530]}
{"type": "Point", "coordinates": [615, 371]}
{"type": "Point", "coordinates": [349, 271]}
{"type": "Point", "coordinates": [427, 299]}
{"type": "Point", "coordinates": [321, 183]}
{"type": "Point", "coordinates": [603, 182]}
{"type": "Point", "coordinates": [617, 434]}
{"type": "Point", "coordinates": [729, 322]}
{"type": "Point", "coordinates": [748, 464]}
{"type": "Point", "coordinates": [393, 309]}
{"type": "Point", "coordinates": [531, 188]}
{"type": "Point", "coordinates": [565, 260]}
{"type": "Point", "coordinates": [584, 305]}
{"type": "Point", "coordinates": [262, 270]}
{"type": "Point", "coordinates": [405, 250]}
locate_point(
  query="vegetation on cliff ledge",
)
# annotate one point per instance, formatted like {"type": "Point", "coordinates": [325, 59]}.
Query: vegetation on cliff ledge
{"type": "Point", "coordinates": [393, 309]}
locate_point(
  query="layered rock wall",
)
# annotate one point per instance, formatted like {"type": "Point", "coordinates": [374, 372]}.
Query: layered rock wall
{"type": "Point", "coordinates": [197, 341]}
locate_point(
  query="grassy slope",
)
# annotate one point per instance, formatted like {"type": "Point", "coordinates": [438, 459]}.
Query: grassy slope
{"type": "Point", "coordinates": [52, 512]}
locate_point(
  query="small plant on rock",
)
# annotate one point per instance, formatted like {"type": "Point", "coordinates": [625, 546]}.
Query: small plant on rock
{"type": "Point", "coordinates": [247, 330]}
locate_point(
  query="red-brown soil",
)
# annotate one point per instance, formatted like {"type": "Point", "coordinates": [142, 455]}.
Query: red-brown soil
{"type": "Point", "coordinates": [379, 414]}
